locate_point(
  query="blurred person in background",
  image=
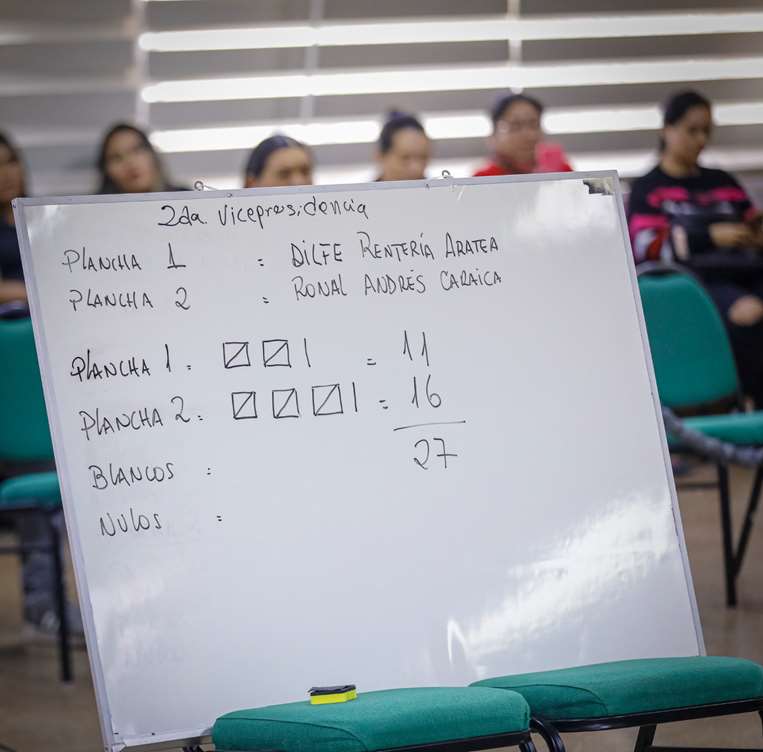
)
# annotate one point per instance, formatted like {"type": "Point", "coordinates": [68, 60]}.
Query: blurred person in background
{"type": "Point", "coordinates": [11, 187]}
{"type": "Point", "coordinates": [404, 149]}
{"type": "Point", "coordinates": [517, 141]}
{"type": "Point", "coordinates": [38, 582]}
{"type": "Point", "coordinates": [703, 218]}
{"type": "Point", "coordinates": [128, 163]}
{"type": "Point", "coordinates": [278, 161]}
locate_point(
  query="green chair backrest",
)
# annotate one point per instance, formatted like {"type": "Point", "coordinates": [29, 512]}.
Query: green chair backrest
{"type": "Point", "coordinates": [24, 433]}
{"type": "Point", "coordinates": [693, 361]}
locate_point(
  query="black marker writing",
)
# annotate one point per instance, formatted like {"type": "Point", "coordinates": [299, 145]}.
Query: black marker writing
{"type": "Point", "coordinates": [259, 214]}
{"type": "Point", "coordinates": [172, 263]}
{"type": "Point", "coordinates": [103, 425]}
{"type": "Point", "coordinates": [128, 475]}
{"type": "Point", "coordinates": [85, 368]}
{"type": "Point", "coordinates": [399, 251]}
{"type": "Point", "coordinates": [473, 247]}
{"type": "Point", "coordinates": [94, 299]}
{"type": "Point", "coordinates": [119, 262]}
{"type": "Point", "coordinates": [467, 278]}
{"type": "Point", "coordinates": [136, 522]}
{"type": "Point", "coordinates": [315, 254]}
{"type": "Point", "coordinates": [184, 216]}
{"type": "Point", "coordinates": [319, 289]}
{"type": "Point", "coordinates": [386, 284]}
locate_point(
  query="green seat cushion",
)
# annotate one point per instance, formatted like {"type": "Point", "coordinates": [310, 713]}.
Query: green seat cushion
{"type": "Point", "coordinates": [39, 488]}
{"type": "Point", "coordinates": [375, 721]}
{"type": "Point", "coordinates": [735, 428]}
{"type": "Point", "coordinates": [639, 686]}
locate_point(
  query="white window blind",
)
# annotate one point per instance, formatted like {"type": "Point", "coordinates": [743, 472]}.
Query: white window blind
{"type": "Point", "coordinates": [210, 78]}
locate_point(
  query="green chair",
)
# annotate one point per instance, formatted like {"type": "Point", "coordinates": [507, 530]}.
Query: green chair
{"type": "Point", "coordinates": [636, 694]}
{"type": "Point", "coordinates": [433, 719]}
{"type": "Point", "coordinates": [25, 442]}
{"type": "Point", "coordinates": [695, 371]}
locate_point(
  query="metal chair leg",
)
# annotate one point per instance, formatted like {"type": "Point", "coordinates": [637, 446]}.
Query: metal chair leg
{"type": "Point", "coordinates": [64, 649]}
{"type": "Point", "coordinates": [728, 540]}
{"type": "Point", "coordinates": [528, 746]}
{"type": "Point", "coordinates": [645, 738]}
{"type": "Point", "coordinates": [548, 733]}
{"type": "Point", "coordinates": [749, 519]}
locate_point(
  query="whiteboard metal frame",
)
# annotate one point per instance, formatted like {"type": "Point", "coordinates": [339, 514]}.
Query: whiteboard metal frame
{"type": "Point", "coordinates": [186, 737]}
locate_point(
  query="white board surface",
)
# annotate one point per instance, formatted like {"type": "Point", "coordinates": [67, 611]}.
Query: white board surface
{"type": "Point", "coordinates": [449, 467]}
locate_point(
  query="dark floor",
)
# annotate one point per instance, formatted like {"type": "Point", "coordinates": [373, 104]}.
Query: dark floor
{"type": "Point", "coordinates": [38, 713]}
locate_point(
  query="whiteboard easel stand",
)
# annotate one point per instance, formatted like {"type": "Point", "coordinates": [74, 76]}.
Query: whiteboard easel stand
{"type": "Point", "coordinates": [188, 742]}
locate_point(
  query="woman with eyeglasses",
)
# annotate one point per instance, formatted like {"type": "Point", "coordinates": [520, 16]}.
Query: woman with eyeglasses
{"type": "Point", "coordinates": [517, 140]}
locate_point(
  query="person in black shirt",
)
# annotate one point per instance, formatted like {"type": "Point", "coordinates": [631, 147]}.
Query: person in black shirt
{"type": "Point", "coordinates": [703, 218]}
{"type": "Point", "coordinates": [36, 568]}
{"type": "Point", "coordinates": [11, 187]}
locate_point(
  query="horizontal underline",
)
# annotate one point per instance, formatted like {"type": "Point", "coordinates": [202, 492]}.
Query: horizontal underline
{"type": "Point", "coordinates": [435, 423]}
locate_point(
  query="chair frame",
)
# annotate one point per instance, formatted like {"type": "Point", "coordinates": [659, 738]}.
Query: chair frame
{"type": "Point", "coordinates": [647, 723]}
{"type": "Point", "coordinates": [521, 739]}
{"type": "Point", "coordinates": [733, 553]}
{"type": "Point", "coordinates": [53, 547]}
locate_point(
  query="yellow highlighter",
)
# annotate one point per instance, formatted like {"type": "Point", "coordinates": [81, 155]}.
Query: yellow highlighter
{"type": "Point", "coordinates": [329, 695]}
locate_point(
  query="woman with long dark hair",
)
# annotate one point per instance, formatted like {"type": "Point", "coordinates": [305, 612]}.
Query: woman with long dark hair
{"type": "Point", "coordinates": [128, 163]}
{"type": "Point", "coordinates": [12, 185]}
{"type": "Point", "coordinates": [701, 217]}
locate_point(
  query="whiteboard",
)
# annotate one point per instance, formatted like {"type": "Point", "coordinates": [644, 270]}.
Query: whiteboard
{"type": "Point", "coordinates": [395, 434]}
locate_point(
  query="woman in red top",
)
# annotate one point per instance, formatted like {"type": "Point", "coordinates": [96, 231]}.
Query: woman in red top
{"type": "Point", "coordinates": [517, 143]}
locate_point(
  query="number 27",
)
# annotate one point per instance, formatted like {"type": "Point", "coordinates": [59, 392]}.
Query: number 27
{"type": "Point", "coordinates": [425, 453]}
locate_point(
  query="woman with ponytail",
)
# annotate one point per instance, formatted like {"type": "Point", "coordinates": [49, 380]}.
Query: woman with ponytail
{"type": "Point", "coordinates": [403, 149]}
{"type": "Point", "coordinates": [278, 161]}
